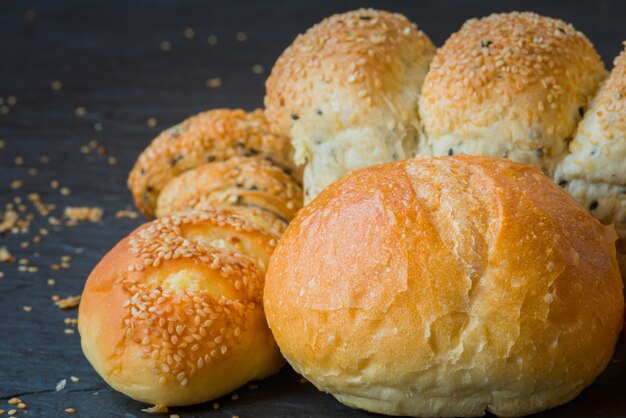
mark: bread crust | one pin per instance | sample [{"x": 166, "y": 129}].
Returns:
[
  {"x": 215, "y": 135},
  {"x": 346, "y": 93},
  {"x": 173, "y": 314},
  {"x": 511, "y": 85},
  {"x": 446, "y": 286},
  {"x": 242, "y": 182}
]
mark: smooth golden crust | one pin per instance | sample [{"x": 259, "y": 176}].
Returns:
[
  {"x": 595, "y": 170},
  {"x": 345, "y": 92},
  {"x": 238, "y": 181},
  {"x": 446, "y": 287},
  {"x": 173, "y": 314},
  {"x": 510, "y": 85},
  {"x": 215, "y": 135}
]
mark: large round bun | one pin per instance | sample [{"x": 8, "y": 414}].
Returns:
[
  {"x": 446, "y": 286},
  {"x": 216, "y": 135},
  {"x": 595, "y": 171},
  {"x": 173, "y": 315},
  {"x": 346, "y": 93},
  {"x": 509, "y": 85}
]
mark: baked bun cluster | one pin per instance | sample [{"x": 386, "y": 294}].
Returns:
[
  {"x": 510, "y": 85},
  {"x": 173, "y": 315},
  {"x": 346, "y": 93},
  {"x": 446, "y": 286},
  {"x": 213, "y": 136},
  {"x": 595, "y": 170}
]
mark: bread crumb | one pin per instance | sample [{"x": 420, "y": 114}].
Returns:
[
  {"x": 9, "y": 219},
  {"x": 159, "y": 409},
  {"x": 5, "y": 255},
  {"x": 69, "y": 302},
  {"x": 126, "y": 214},
  {"x": 82, "y": 213}
]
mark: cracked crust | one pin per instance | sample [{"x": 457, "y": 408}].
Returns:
[
  {"x": 498, "y": 292},
  {"x": 215, "y": 135}
]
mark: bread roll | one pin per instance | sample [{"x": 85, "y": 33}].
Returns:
[
  {"x": 215, "y": 135},
  {"x": 446, "y": 286},
  {"x": 173, "y": 315},
  {"x": 595, "y": 171},
  {"x": 510, "y": 85},
  {"x": 247, "y": 183},
  {"x": 346, "y": 93}
]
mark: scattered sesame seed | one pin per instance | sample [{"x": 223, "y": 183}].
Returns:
[
  {"x": 112, "y": 160},
  {"x": 12, "y": 100},
  {"x": 234, "y": 397},
  {"x": 4, "y": 109},
  {"x": 12, "y": 411},
  {"x": 152, "y": 122},
  {"x": 189, "y": 33},
  {"x": 97, "y": 127},
  {"x": 69, "y": 331},
  {"x": 56, "y": 85},
  {"x": 2, "y": 143},
  {"x": 74, "y": 379},
  {"x": 14, "y": 401},
  {"x": 241, "y": 36},
  {"x": 258, "y": 69},
  {"x": 16, "y": 184},
  {"x": 70, "y": 410},
  {"x": 65, "y": 191},
  {"x": 80, "y": 111},
  {"x": 166, "y": 46},
  {"x": 54, "y": 184},
  {"x": 214, "y": 82},
  {"x": 216, "y": 406},
  {"x": 21, "y": 405},
  {"x": 19, "y": 161},
  {"x": 27, "y": 308},
  {"x": 212, "y": 40}
]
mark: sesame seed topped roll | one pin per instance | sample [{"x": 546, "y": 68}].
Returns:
[
  {"x": 173, "y": 315},
  {"x": 248, "y": 184},
  {"x": 215, "y": 135},
  {"x": 510, "y": 85},
  {"x": 346, "y": 93},
  {"x": 595, "y": 171}
]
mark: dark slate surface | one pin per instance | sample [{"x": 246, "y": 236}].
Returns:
[{"x": 108, "y": 56}]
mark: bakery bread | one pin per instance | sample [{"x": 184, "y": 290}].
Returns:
[
  {"x": 215, "y": 135},
  {"x": 246, "y": 183},
  {"x": 173, "y": 315},
  {"x": 446, "y": 286},
  {"x": 510, "y": 85},
  {"x": 595, "y": 170},
  {"x": 346, "y": 93}
]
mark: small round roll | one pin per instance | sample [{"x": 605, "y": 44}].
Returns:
[
  {"x": 216, "y": 135},
  {"x": 511, "y": 85},
  {"x": 595, "y": 171},
  {"x": 242, "y": 182},
  {"x": 445, "y": 287},
  {"x": 173, "y": 315},
  {"x": 346, "y": 93}
]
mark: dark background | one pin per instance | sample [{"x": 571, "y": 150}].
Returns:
[{"x": 109, "y": 58}]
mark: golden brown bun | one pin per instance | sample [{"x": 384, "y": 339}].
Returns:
[
  {"x": 446, "y": 287},
  {"x": 173, "y": 315},
  {"x": 509, "y": 85},
  {"x": 246, "y": 182},
  {"x": 215, "y": 135},
  {"x": 595, "y": 171},
  {"x": 346, "y": 93}
]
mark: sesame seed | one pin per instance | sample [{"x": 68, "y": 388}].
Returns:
[
  {"x": 241, "y": 36},
  {"x": 258, "y": 69},
  {"x": 212, "y": 40},
  {"x": 70, "y": 410},
  {"x": 152, "y": 122},
  {"x": 27, "y": 308},
  {"x": 189, "y": 33},
  {"x": 14, "y": 401},
  {"x": 12, "y": 412},
  {"x": 12, "y": 100},
  {"x": 56, "y": 85},
  {"x": 166, "y": 46},
  {"x": 80, "y": 111}
]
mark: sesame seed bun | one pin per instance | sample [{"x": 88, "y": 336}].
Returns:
[
  {"x": 346, "y": 91},
  {"x": 510, "y": 85},
  {"x": 249, "y": 184},
  {"x": 173, "y": 315},
  {"x": 446, "y": 286},
  {"x": 215, "y": 135},
  {"x": 595, "y": 170}
]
